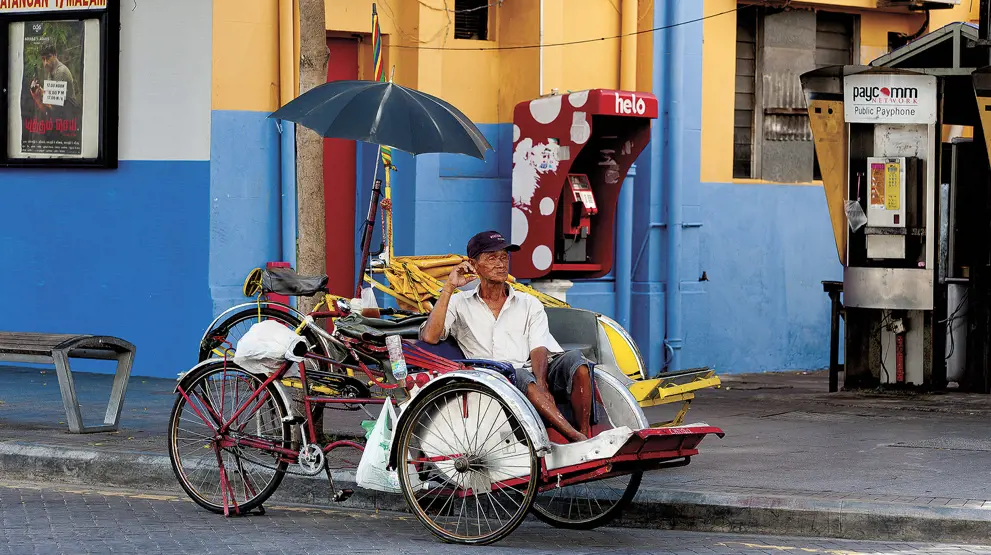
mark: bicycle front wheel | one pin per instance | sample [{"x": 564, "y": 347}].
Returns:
[{"x": 237, "y": 467}]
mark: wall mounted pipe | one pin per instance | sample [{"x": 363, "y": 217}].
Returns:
[
  {"x": 675, "y": 39},
  {"x": 624, "y": 216},
  {"x": 288, "y": 41},
  {"x": 624, "y": 250},
  {"x": 659, "y": 85}
]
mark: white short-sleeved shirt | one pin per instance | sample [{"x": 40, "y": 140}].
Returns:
[{"x": 520, "y": 328}]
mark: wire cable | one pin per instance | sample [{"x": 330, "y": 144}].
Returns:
[{"x": 574, "y": 42}]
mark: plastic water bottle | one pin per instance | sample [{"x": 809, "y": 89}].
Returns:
[{"x": 395, "y": 346}]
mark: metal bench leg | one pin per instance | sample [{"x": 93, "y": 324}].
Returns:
[
  {"x": 68, "y": 388},
  {"x": 121, "y": 378}
]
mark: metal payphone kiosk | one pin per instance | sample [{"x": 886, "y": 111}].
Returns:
[
  {"x": 903, "y": 149},
  {"x": 875, "y": 131},
  {"x": 571, "y": 154}
]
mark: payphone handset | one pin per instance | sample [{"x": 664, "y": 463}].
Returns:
[{"x": 579, "y": 205}]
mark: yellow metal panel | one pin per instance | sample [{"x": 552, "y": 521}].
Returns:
[
  {"x": 658, "y": 392},
  {"x": 626, "y": 357},
  {"x": 245, "y": 55},
  {"x": 984, "y": 108},
  {"x": 830, "y": 136}
]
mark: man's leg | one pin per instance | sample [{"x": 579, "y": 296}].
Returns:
[
  {"x": 581, "y": 399},
  {"x": 544, "y": 402},
  {"x": 569, "y": 377}
]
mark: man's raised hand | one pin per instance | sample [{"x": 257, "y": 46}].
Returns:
[{"x": 459, "y": 275}]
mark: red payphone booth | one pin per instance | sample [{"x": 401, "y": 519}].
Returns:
[{"x": 571, "y": 153}]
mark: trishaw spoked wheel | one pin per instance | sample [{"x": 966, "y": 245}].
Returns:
[
  {"x": 587, "y": 505},
  {"x": 471, "y": 472}
]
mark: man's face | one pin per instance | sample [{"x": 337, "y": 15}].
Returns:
[
  {"x": 49, "y": 62},
  {"x": 493, "y": 266}
]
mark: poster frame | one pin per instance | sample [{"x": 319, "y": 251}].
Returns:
[{"x": 108, "y": 98}]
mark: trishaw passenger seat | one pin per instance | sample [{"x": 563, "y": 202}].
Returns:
[{"x": 575, "y": 329}]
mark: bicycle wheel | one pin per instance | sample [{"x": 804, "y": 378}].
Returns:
[
  {"x": 233, "y": 328},
  {"x": 474, "y": 473},
  {"x": 587, "y": 505},
  {"x": 196, "y": 449}
]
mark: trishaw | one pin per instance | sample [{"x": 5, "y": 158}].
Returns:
[
  {"x": 471, "y": 455},
  {"x": 466, "y": 449}
]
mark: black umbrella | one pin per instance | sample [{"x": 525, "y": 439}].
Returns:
[{"x": 385, "y": 114}]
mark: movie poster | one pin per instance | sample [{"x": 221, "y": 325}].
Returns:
[{"x": 52, "y": 88}]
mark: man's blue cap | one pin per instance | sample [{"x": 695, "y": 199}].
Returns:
[{"x": 489, "y": 241}]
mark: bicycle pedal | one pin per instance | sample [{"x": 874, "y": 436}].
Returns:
[{"x": 343, "y": 495}]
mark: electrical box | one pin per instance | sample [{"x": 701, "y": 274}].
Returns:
[{"x": 891, "y": 182}]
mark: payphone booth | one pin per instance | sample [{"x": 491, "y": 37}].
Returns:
[
  {"x": 903, "y": 154},
  {"x": 571, "y": 153}
]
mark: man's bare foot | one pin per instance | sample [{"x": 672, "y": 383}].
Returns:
[{"x": 578, "y": 437}]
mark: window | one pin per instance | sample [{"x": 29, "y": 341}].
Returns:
[
  {"x": 772, "y": 139},
  {"x": 471, "y": 19},
  {"x": 60, "y": 79}
]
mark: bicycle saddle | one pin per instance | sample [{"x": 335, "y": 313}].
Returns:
[
  {"x": 376, "y": 329},
  {"x": 285, "y": 281}
]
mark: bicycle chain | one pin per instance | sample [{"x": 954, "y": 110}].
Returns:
[{"x": 248, "y": 458}]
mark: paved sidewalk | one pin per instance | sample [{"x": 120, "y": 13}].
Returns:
[{"x": 796, "y": 460}]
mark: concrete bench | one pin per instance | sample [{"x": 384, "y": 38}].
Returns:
[{"x": 47, "y": 348}]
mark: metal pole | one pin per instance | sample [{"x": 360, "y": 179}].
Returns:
[
  {"x": 834, "y": 341},
  {"x": 366, "y": 237}
]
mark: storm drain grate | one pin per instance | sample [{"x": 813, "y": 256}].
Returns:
[{"x": 953, "y": 443}]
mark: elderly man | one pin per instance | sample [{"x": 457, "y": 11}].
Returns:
[{"x": 496, "y": 322}]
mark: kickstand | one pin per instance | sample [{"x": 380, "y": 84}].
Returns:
[{"x": 339, "y": 496}]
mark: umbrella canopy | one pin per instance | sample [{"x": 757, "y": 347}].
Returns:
[{"x": 385, "y": 114}]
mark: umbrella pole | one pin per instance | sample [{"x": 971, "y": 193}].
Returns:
[{"x": 366, "y": 237}]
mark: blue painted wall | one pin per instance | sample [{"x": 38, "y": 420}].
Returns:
[
  {"x": 765, "y": 250},
  {"x": 120, "y": 252},
  {"x": 245, "y": 202}
]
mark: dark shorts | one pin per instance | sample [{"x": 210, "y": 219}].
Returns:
[{"x": 561, "y": 368}]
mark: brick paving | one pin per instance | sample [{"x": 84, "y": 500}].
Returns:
[{"x": 45, "y": 518}]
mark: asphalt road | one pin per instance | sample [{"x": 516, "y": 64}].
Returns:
[{"x": 47, "y": 518}]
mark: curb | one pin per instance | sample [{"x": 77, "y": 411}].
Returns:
[{"x": 655, "y": 508}]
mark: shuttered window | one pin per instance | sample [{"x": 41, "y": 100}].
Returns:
[
  {"x": 471, "y": 19},
  {"x": 834, "y": 45},
  {"x": 743, "y": 112}
]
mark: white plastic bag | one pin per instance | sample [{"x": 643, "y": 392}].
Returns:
[
  {"x": 266, "y": 347},
  {"x": 372, "y": 473},
  {"x": 855, "y": 215}
]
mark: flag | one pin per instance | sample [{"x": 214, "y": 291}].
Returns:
[{"x": 379, "y": 72}]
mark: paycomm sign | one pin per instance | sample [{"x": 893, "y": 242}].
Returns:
[{"x": 886, "y": 98}]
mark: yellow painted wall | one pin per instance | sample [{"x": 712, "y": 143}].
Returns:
[
  {"x": 874, "y": 28},
  {"x": 718, "y": 77},
  {"x": 487, "y": 84},
  {"x": 245, "y": 55},
  {"x": 719, "y": 66},
  {"x": 967, "y": 10}
]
